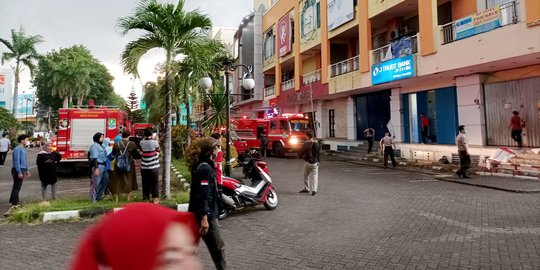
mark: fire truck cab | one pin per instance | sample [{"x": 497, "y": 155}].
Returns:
[
  {"x": 77, "y": 126},
  {"x": 285, "y": 133}
]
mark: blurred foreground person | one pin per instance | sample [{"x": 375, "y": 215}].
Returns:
[{"x": 141, "y": 236}]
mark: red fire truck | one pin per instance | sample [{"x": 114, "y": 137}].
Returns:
[
  {"x": 138, "y": 129},
  {"x": 76, "y": 126},
  {"x": 285, "y": 133}
]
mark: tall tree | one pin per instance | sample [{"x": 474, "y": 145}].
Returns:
[
  {"x": 168, "y": 27},
  {"x": 204, "y": 59},
  {"x": 53, "y": 74},
  {"x": 22, "y": 50},
  {"x": 133, "y": 101}
]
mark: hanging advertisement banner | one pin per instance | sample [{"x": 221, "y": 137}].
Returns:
[
  {"x": 339, "y": 12},
  {"x": 395, "y": 69},
  {"x": 480, "y": 22},
  {"x": 284, "y": 35},
  {"x": 6, "y": 89}
]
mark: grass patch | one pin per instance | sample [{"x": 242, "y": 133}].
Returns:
[
  {"x": 33, "y": 212},
  {"x": 182, "y": 167}
]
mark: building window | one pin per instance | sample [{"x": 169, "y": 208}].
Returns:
[
  {"x": 492, "y": 3},
  {"x": 310, "y": 18},
  {"x": 331, "y": 123},
  {"x": 269, "y": 43}
]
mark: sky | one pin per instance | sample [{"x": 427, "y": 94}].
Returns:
[{"x": 64, "y": 23}]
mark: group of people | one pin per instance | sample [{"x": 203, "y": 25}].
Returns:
[
  {"x": 46, "y": 163},
  {"x": 113, "y": 168}
]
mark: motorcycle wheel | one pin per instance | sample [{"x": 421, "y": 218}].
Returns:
[
  {"x": 223, "y": 213},
  {"x": 271, "y": 202}
]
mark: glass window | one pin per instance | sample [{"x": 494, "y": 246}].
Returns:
[
  {"x": 273, "y": 125},
  {"x": 299, "y": 124}
]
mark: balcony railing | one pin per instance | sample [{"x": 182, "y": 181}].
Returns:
[
  {"x": 269, "y": 91},
  {"x": 508, "y": 15},
  {"x": 345, "y": 66},
  {"x": 287, "y": 85},
  {"x": 311, "y": 77},
  {"x": 401, "y": 47}
]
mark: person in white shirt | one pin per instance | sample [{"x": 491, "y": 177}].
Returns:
[
  {"x": 464, "y": 157},
  {"x": 387, "y": 146},
  {"x": 4, "y": 148}
]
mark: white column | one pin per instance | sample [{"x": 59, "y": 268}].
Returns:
[
  {"x": 258, "y": 75},
  {"x": 321, "y": 127},
  {"x": 470, "y": 104},
  {"x": 351, "y": 119},
  {"x": 396, "y": 121}
]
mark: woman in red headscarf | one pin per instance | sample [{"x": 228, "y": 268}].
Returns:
[{"x": 141, "y": 236}]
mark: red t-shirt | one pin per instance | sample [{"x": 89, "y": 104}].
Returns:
[
  {"x": 219, "y": 171},
  {"x": 425, "y": 121},
  {"x": 515, "y": 122}
]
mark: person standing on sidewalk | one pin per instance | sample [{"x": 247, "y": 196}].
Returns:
[
  {"x": 98, "y": 168},
  {"x": 150, "y": 166},
  {"x": 19, "y": 171},
  {"x": 4, "y": 148},
  {"x": 369, "y": 134},
  {"x": 464, "y": 157},
  {"x": 425, "y": 127},
  {"x": 387, "y": 146},
  {"x": 517, "y": 128},
  {"x": 310, "y": 153},
  {"x": 203, "y": 199},
  {"x": 46, "y": 162}
]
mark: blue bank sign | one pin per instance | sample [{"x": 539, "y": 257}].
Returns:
[{"x": 392, "y": 70}]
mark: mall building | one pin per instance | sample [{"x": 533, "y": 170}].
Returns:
[{"x": 353, "y": 64}]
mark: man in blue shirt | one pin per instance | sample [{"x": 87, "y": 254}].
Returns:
[
  {"x": 19, "y": 170},
  {"x": 99, "y": 177}
]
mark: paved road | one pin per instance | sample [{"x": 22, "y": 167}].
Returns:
[
  {"x": 69, "y": 185},
  {"x": 363, "y": 218}
]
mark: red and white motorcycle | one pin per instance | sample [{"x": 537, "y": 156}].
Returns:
[{"x": 236, "y": 195}]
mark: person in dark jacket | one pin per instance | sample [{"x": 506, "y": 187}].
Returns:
[
  {"x": 46, "y": 162},
  {"x": 203, "y": 199},
  {"x": 310, "y": 154}
]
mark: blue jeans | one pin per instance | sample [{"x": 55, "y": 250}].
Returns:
[{"x": 99, "y": 183}]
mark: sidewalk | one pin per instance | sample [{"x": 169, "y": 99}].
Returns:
[
  {"x": 511, "y": 184},
  {"x": 505, "y": 183}
]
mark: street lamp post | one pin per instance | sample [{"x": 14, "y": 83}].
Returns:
[{"x": 248, "y": 83}]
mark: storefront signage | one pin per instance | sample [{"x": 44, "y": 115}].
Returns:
[
  {"x": 2, "y": 79},
  {"x": 284, "y": 35},
  {"x": 480, "y": 22},
  {"x": 395, "y": 69}
]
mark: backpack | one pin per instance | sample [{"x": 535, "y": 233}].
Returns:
[{"x": 122, "y": 160}]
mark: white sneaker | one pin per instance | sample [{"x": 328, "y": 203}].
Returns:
[{"x": 2, "y": 166}]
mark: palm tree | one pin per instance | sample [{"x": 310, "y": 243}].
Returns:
[
  {"x": 215, "y": 116},
  {"x": 204, "y": 59},
  {"x": 22, "y": 49},
  {"x": 169, "y": 27}
]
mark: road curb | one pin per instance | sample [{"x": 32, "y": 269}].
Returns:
[
  {"x": 76, "y": 214},
  {"x": 90, "y": 213},
  {"x": 488, "y": 186},
  {"x": 447, "y": 179}
]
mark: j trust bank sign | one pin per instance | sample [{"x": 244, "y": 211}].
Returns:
[{"x": 395, "y": 69}]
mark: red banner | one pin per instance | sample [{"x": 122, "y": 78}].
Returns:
[{"x": 284, "y": 35}]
